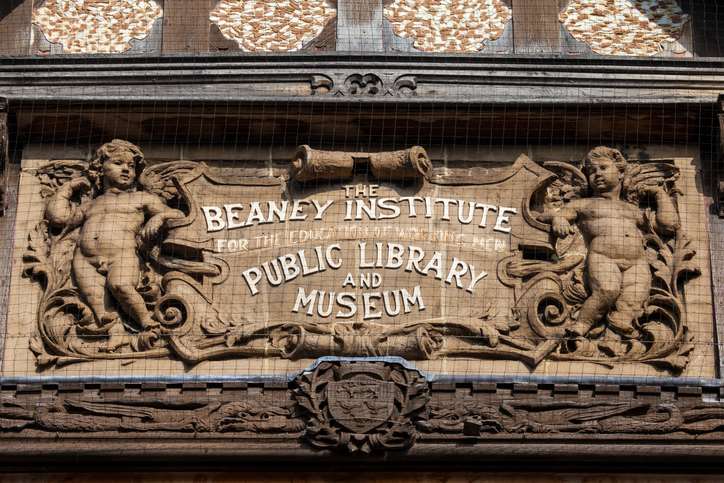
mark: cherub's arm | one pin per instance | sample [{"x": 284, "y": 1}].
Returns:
[
  {"x": 667, "y": 219},
  {"x": 561, "y": 220},
  {"x": 159, "y": 214},
  {"x": 60, "y": 210}
]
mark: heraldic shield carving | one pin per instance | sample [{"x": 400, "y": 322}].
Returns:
[
  {"x": 361, "y": 406},
  {"x": 361, "y": 254}
]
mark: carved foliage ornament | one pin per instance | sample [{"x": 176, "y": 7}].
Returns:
[
  {"x": 476, "y": 418},
  {"x": 597, "y": 274},
  {"x": 362, "y": 408},
  {"x": 364, "y": 85}
]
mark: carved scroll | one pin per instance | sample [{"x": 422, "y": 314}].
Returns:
[{"x": 409, "y": 164}]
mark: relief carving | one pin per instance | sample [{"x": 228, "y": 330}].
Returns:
[
  {"x": 613, "y": 291},
  {"x": 97, "y": 255},
  {"x": 128, "y": 415},
  {"x": 368, "y": 85},
  {"x": 475, "y": 418},
  {"x": 361, "y": 406},
  {"x": 163, "y": 261}
]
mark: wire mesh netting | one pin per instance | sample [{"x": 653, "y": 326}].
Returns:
[{"x": 487, "y": 189}]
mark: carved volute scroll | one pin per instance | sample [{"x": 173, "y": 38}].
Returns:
[{"x": 197, "y": 293}]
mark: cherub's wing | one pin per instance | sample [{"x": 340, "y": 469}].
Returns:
[
  {"x": 55, "y": 174},
  {"x": 158, "y": 179},
  {"x": 570, "y": 184},
  {"x": 648, "y": 174}
]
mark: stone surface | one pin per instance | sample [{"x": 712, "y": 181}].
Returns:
[
  {"x": 272, "y": 25},
  {"x": 448, "y": 25},
  {"x": 626, "y": 27},
  {"x": 95, "y": 27}
]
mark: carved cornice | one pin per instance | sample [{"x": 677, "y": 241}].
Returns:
[
  {"x": 362, "y": 408},
  {"x": 442, "y": 78}
]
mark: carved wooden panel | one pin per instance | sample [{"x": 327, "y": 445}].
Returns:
[
  {"x": 371, "y": 411},
  {"x": 361, "y": 254}
]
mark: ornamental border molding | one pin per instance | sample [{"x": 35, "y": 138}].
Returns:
[{"x": 304, "y": 414}]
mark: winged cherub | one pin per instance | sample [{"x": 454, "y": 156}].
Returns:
[
  {"x": 115, "y": 222},
  {"x": 612, "y": 225}
]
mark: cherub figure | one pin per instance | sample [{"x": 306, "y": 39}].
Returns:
[
  {"x": 116, "y": 220},
  {"x": 613, "y": 225}
]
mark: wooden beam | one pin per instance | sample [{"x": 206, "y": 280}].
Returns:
[
  {"x": 15, "y": 27},
  {"x": 536, "y": 28},
  {"x": 360, "y": 26},
  {"x": 186, "y": 26},
  {"x": 9, "y": 183}
]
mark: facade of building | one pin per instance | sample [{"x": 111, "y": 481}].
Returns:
[{"x": 420, "y": 232}]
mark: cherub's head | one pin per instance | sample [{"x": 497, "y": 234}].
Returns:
[
  {"x": 116, "y": 164},
  {"x": 605, "y": 168}
]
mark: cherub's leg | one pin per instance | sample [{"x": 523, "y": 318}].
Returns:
[
  {"x": 604, "y": 278},
  {"x": 635, "y": 289},
  {"x": 92, "y": 287},
  {"x": 122, "y": 279}
]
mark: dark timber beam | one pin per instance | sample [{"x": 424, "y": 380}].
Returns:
[
  {"x": 536, "y": 28},
  {"x": 9, "y": 181},
  {"x": 716, "y": 245},
  {"x": 331, "y": 77},
  {"x": 359, "y": 26},
  {"x": 15, "y": 25},
  {"x": 186, "y": 26}
]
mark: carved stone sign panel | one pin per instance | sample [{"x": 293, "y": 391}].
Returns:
[{"x": 360, "y": 254}]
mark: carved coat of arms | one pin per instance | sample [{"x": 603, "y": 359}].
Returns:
[{"x": 361, "y": 406}]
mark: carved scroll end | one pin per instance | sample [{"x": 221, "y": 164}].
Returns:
[
  {"x": 405, "y": 165},
  {"x": 312, "y": 164}
]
